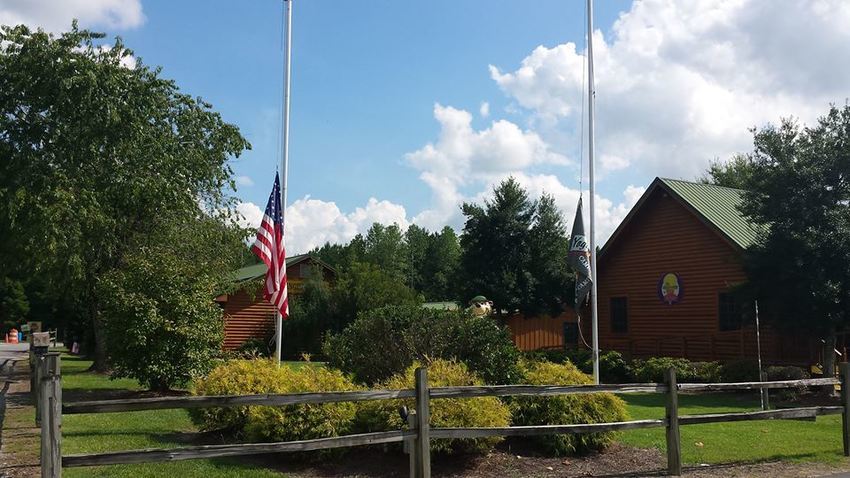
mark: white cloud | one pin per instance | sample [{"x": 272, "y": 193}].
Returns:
[
  {"x": 463, "y": 156},
  {"x": 244, "y": 181},
  {"x": 680, "y": 83},
  {"x": 311, "y": 222},
  {"x": 56, "y": 15},
  {"x": 484, "y": 109}
]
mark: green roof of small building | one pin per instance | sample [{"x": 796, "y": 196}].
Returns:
[
  {"x": 719, "y": 206},
  {"x": 258, "y": 270}
]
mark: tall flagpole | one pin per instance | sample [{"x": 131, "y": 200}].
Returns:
[
  {"x": 287, "y": 73},
  {"x": 590, "y": 144}
]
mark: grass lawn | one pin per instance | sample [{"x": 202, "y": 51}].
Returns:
[
  {"x": 92, "y": 433},
  {"x": 715, "y": 443},
  {"x": 818, "y": 441}
]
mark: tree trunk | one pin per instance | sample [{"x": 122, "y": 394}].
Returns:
[{"x": 829, "y": 362}]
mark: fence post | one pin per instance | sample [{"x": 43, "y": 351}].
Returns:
[
  {"x": 36, "y": 368},
  {"x": 50, "y": 397},
  {"x": 845, "y": 402},
  {"x": 423, "y": 417},
  {"x": 674, "y": 446},
  {"x": 410, "y": 444}
]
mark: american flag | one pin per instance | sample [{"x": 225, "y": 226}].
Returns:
[{"x": 270, "y": 249}]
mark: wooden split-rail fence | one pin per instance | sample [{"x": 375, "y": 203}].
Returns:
[{"x": 417, "y": 437}]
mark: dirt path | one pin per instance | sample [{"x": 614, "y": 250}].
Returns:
[{"x": 19, "y": 439}]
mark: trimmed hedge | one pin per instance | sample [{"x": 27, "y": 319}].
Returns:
[
  {"x": 566, "y": 409},
  {"x": 653, "y": 369},
  {"x": 262, "y": 423},
  {"x": 382, "y": 415}
]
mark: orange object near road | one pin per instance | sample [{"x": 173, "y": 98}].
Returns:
[{"x": 12, "y": 337}]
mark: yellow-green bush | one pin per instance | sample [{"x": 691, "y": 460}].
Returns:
[
  {"x": 445, "y": 412},
  {"x": 263, "y": 423},
  {"x": 566, "y": 409}
]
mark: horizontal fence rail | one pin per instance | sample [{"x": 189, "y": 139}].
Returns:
[
  {"x": 542, "y": 390},
  {"x": 419, "y": 433},
  {"x": 207, "y": 401},
  {"x": 217, "y": 451},
  {"x": 720, "y": 387}
]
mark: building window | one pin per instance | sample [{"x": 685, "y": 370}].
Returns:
[
  {"x": 728, "y": 312},
  {"x": 619, "y": 315}
]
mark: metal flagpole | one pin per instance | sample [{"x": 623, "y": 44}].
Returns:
[
  {"x": 287, "y": 63},
  {"x": 763, "y": 391},
  {"x": 590, "y": 145}
]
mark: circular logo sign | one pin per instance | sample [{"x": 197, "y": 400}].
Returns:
[{"x": 670, "y": 288}]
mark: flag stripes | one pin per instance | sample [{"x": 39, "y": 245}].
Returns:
[{"x": 269, "y": 247}]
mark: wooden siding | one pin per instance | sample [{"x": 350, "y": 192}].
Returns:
[
  {"x": 665, "y": 237},
  {"x": 247, "y": 315},
  {"x": 532, "y": 333}
]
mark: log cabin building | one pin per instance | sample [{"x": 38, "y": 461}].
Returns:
[
  {"x": 666, "y": 277},
  {"x": 247, "y": 315}
]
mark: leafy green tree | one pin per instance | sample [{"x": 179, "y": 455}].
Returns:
[
  {"x": 364, "y": 287},
  {"x": 157, "y": 310},
  {"x": 93, "y": 155},
  {"x": 418, "y": 242},
  {"x": 311, "y": 317},
  {"x": 386, "y": 249},
  {"x": 495, "y": 245},
  {"x": 335, "y": 255},
  {"x": 440, "y": 269},
  {"x": 549, "y": 246},
  {"x": 800, "y": 197},
  {"x": 14, "y": 305},
  {"x": 736, "y": 173}
]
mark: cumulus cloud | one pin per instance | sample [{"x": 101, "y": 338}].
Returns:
[
  {"x": 484, "y": 109},
  {"x": 312, "y": 222},
  {"x": 244, "y": 181},
  {"x": 56, "y": 15},
  {"x": 463, "y": 156},
  {"x": 680, "y": 83}
]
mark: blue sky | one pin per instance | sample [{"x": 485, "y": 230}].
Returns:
[
  {"x": 389, "y": 121},
  {"x": 366, "y": 76}
]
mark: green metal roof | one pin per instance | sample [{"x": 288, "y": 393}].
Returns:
[
  {"x": 259, "y": 270},
  {"x": 718, "y": 206}
]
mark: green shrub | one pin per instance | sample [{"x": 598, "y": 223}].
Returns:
[
  {"x": 788, "y": 372},
  {"x": 745, "y": 370},
  {"x": 386, "y": 341},
  {"x": 566, "y": 409},
  {"x": 485, "y": 346},
  {"x": 612, "y": 367},
  {"x": 653, "y": 370},
  {"x": 291, "y": 422},
  {"x": 445, "y": 412}
]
